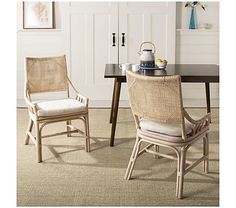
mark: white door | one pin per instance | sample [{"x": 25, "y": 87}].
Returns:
[
  {"x": 92, "y": 27},
  {"x": 146, "y": 21}
]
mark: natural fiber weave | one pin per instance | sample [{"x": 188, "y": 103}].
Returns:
[
  {"x": 46, "y": 74},
  {"x": 49, "y": 74},
  {"x": 76, "y": 178},
  {"x": 160, "y": 99},
  {"x": 155, "y": 98}
]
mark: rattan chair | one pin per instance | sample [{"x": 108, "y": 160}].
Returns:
[
  {"x": 161, "y": 120},
  {"x": 49, "y": 75}
]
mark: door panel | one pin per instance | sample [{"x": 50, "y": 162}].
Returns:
[
  {"x": 78, "y": 50},
  {"x": 102, "y": 49},
  {"x": 146, "y": 21},
  {"x": 91, "y": 47},
  {"x": 134, "y": 22},
  {"x": 149, "y": 5},
  {"x": 159, "y": 31},
  {"x": 91, "y": 28},
  {"x": 151, "y": 21}
]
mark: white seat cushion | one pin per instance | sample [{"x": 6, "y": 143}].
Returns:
[
  {"x": 59, "y": 107},
  {"x": 165, "y": 128}
]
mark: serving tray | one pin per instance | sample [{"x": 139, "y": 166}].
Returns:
[{"x": 151, "y": 68}]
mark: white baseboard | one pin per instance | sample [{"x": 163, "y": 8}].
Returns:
[
  {"x": 20, "y": 103},
  {"x": 188, "y": 102}
]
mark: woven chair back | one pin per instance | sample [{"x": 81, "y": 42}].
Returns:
[
  {"x": 47, "y": 74},
  {"x": 155, "y": 98}
]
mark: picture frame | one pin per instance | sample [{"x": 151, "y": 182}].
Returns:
[{"x": 38, "y": 15}]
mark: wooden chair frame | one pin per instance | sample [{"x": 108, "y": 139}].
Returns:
[
  {"x": 199, "y": 131},
  {"x": 41, "y": 121}
]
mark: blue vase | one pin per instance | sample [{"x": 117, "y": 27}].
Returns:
[{"x": 192, "y": 23}]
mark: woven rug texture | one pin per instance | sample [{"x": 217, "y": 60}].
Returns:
[{"x": 69, "y": 176}]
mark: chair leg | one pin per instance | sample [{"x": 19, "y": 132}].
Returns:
[
  {"x": 133, "y": 158},
  {"x": 206, "y": 153},
  {"x": 156, "y": 149},
  {"x": 177, "y": 178},
  {"x": 68, "y": 128},
  {"x": 87, "y": 134},
  {"x": 29, "y": 129},
  {"x": 181, "y": 172},
  {"x": 38, "y": 143}
]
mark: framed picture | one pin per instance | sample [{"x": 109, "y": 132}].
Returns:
[{"x": 38, "y": 15}]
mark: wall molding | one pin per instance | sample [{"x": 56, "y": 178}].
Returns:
[{"x": 38, "y": 31}]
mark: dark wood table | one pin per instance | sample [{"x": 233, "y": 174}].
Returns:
[{"x": 198, "y": 73}]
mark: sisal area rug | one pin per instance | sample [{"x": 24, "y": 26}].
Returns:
[{"x": 68, "y": 176}]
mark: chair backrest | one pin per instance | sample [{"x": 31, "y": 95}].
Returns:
[
  {"x": 46, "y": 74},
  {"x": 156, "y": 98}
]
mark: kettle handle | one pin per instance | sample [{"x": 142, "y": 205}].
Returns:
[{"x": 154, "y": 48}]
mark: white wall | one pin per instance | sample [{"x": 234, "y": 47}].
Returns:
[
  {"x": 198, "y": 46},
  {"x": 53, "y": 42},
  {"x": 36, "y": 42},
  {"x": 210, "y": 15}
]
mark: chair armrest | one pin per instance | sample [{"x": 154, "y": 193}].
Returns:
[
  {"x": 198, "y": 124},
  {"x": 82, "y": 99},
  {"x": 30, "y": 105},
  {"x": 79, "y": 97}
]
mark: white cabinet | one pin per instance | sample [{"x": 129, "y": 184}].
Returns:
[
  {"x": 90, "y": 43},
  {"x": 92, "y": 27},
  {"x": 147, "y": 21}
]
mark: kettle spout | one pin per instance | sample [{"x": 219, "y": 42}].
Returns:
[{"x": 139, "y": 52}]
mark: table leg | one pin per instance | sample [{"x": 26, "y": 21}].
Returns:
[
  {"x": 113, "y": 98},
  {"x": 208, "y": 100},
  {"x": 115, "y": 111}
]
